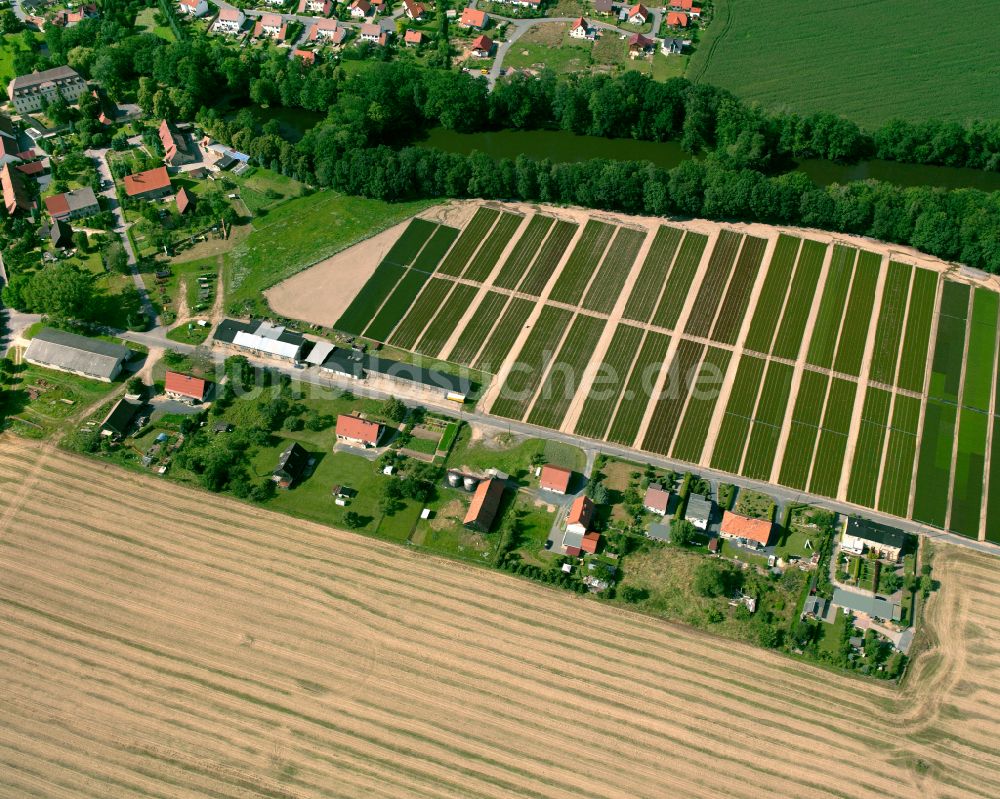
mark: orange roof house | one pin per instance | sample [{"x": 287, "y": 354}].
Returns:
[
  {"x": 482, "y": 46},
  {"x": 473, "y": 18},
  {"x": 590, "y": 542},
  {"x": 15, "y": 194},
  {"x": 753, "y": 532},
  {"x": 677, "y": 19},
  {"x": 149, "y": 184},
  {"x": 485, "y": 504},
  {"x": 183, "y": 386},
  {"x": 555, "y": 479},
  {"x": 357, "y": 431},
  {"x": 183, "y": 201},
  {"x": 413, "y": 37},
  {"x": 581, "y": 513}
]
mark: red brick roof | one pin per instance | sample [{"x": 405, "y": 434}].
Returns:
[
  {"x": 639, "y": 8},
  {"x": 358, "y": 429},
  {"x": 33, "y": 168},
  {"x": 485, "y": 504},
  {"x": 483, "y": 42},
  {"x": 183, "y": 201},
  {"x": 555, "y": 478},
  {"x": 57, "y": 205},
  {"x": 473, "y": 17},
  {"x": 413, "y": 37},
  {"x": 590, "y": 542},
  {"x": 579, "y": 22},
  {"x": 581, "y": 512},
  {"x": 185, "y": 385},
  {"x": 15, "y": 195},
  {"x": 737, "y": 526},
  {"x": 677, "y": 19},
  {"x": 150, "y": 180}
]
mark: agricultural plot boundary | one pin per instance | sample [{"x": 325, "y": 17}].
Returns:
[{"x": 840, "y": 372}]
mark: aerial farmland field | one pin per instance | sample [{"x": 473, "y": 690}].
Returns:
[
  {"x": 833, "y": 366},
  {"x": 248, "y": 654},
  {"x": 791, "y": 54}
]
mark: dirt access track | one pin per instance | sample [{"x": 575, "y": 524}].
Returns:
[{"x": 159, "y": 641}]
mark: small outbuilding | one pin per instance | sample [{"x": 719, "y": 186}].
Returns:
[
  {"x": 555, "y": 479},
  {"x": 291, "y": 465},
  {"x": 484, "y": 506}
]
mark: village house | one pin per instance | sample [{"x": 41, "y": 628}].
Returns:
[
  {"x": 414, "y": 10},
  {"x": 184, "y": 201},
  {"x": 27, "y": 92},
  {"x": 473, "y": 18},
  {"x": 638, "y": 14},
  {"x": 699, "y": 511},
  {"x": 260, "y": 338},
  {"x": 328, "y": 30},
  {"x": 16, "y": 197},
  {"x": 604, "y": 7},
  {"x": 148, "y": 185},
  {"x": 482, "y": 46},
  {"x": 119, "y": 419},
  {"x": 639, "y": 45},
  {"x": 61, "y": 235},
  {"x": 413, "y": 38},
  {"x": 323, "y": 7},
  {"x": 657, "y": 499},
  {"x": 230, "y": 21},
  {"x": 369, "y": 32},
  {"x": 677, "y": 19},
  {"x": 360, "y": 9},
  {"x": 861, "y": 535},
  {"x": 193, "y": 8},
  {"x": 270, "y": 26},
  {"x": 67, "y": 19},
  {"x": 581, "y": 513},
  {"x": 176, "y": 150},
  {"x": 306, "y": 56},
  {"x": 357, "y": 432},
  {"x": 686, "y": 5},
  {"x": 581, "y": 29},
  {"x": 754, "y": 533},
  {"x": 555, "y": 479},
  {"x": 291, "y": 466},
  {"x": 484, "y": 505},
  {"x": 75, "y": 204},
  {"x": 184, "y": 388},
  {"x": 78, "y": 355},
  {"x": 671, "y": 46}
]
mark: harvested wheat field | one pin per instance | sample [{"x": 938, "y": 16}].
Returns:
[{"x": 155, "y": 641}]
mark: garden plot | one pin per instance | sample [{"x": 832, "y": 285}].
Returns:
[
  {"x": 694, "y": 429},
  {"x": 734, "y": 306},
  {"x": 854, "y": 333},
  {"x": 862, "y": 485},
  {"x": 832, "y": 444},
  {"x": 801, "y": 295},
  {"x": 469, "y": 240},
  {"x": 504, "y": 334},
  {"x": 768, "y": 418},
  {"x": 831, "y": 307},
  {"x": 478, "y": 329},
  {"x": 804, "y": 430},
  {"x": 489, "y": 254},
  {"x": 639, "y": 389},
  {"x": 728, "y": 453},
  {"x": 674, "y": 394},
  {"x": 563, "y": 381},
  {"x": 916, "y": 340},
  {"x": 900, "y": 454},
  {"x": 608, "y": 283},
  {"x": 544, "y": 266}
]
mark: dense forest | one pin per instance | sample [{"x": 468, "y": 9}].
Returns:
[{"x": 374, "y": 116}]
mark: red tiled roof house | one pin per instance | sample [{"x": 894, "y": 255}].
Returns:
[
  {"x": 184, "y": 387},
  {"x": 357, "y": 432},
  {"x": 148, "y": 185},
  {"x": 555, "y": 479},
  {"x": 484, "y": 506},
  {"x": 754, "y": 533}
]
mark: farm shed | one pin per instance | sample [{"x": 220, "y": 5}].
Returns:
[
  {"x": 868, "y": 605},
  {"x": 291, "y": 465},
  {"x": 261, "y": 338},
  {"x": 484, "y": 506},
  {"x": 119, "y": 419},
  {"x": 454, "y": 387},
  {"x": 79, "y": 355}
]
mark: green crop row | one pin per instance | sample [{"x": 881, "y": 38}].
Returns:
[
  {"x": 607, "y": 284},
  {"x": 364, "y": 306},
  {"x": 432, "y": 253},
  {"x": 639, "y": 389},
  {"x": 670, "y": 404},
  {"x": 484, "y": 319},
  {"x": 862, "y": 485},
  {"x": 548, "y": 258},
  {"x": 448, "y": 316},
  {"x": 766, "y": 430},
  {"x": 889, "y": 329},
  {"x": 582, "y": 262},
  {"x": 970, "y": 468},
  {"x": 854, "y": 332},
  {"x": 720, "y": 264},
  {"x": 801, "y": 294},
  {"x": 567, "y": 371},
  {"x": 524, "y": 252},
  {"x": 505, "y": 333},
  {"x": 653, "y": 274},
  {"x": 396, "y": 305},
  {"x": 489, "y": 254},
  {"x": 833, "y": 438},
  {"x": 409, "y": 243},
  {"x": 609, "y": 382},
  {"x": 831, "y": 307},
  {"x": 728, "y": 453},
  {"x": 804, "y": 431},
  {"x": 930, "y": 499},
  {"x": 977, "y": 387},
  {"x": 734, "y": 306},
  {"x": 693, "y": 432},
  {"x": 678, "y": 285},
  {"x": 920, "y": 316},
  {"x": 897, "y": 471},
  {"x": 772, "y": 295},
  {"x": 421, "y": 312},
  {"x": 522, "y": 382},
  {"x": 469, "y": 240},
  {"x": 949, "y": 346}
]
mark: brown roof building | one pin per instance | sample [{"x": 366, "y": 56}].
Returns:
[
  {"x": 555, "y": 479},
  {"x": 149, "y": 184},
  {"x": 357, "y": 431},
  {"x": 184, "y": 201},
  {"x": 752, "y": 532},
  {"x": 175, "y": 147},
  {"x": 485, "y": 504}
]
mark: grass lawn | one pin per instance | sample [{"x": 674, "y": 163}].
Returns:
[
  {"x": 10, "y": 44},
  {"x": 754, "y": 504},
  {"x": 166, "y": 292},
  {"x": 261, "y": 189},
  {"x": 791, "y": 54},
  {"x": 59, "y": 398},
  {"x": 512, "y": 455},
  {"x": 145, "y": 21},
  {"x": 833, "y": 634},
  {"x": 729, "y": 550},
  {"x": 311, "y": 499},
  {"x": 549, "y": 45},
  {"x": 189, "y": 333},
  {"x": 794, "y": 544},
  {"x": 300, "y": 232}
]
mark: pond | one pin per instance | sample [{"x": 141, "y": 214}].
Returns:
[
  {"x": 563, "y": 147},
  {"x": 294, "y": 122}
]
